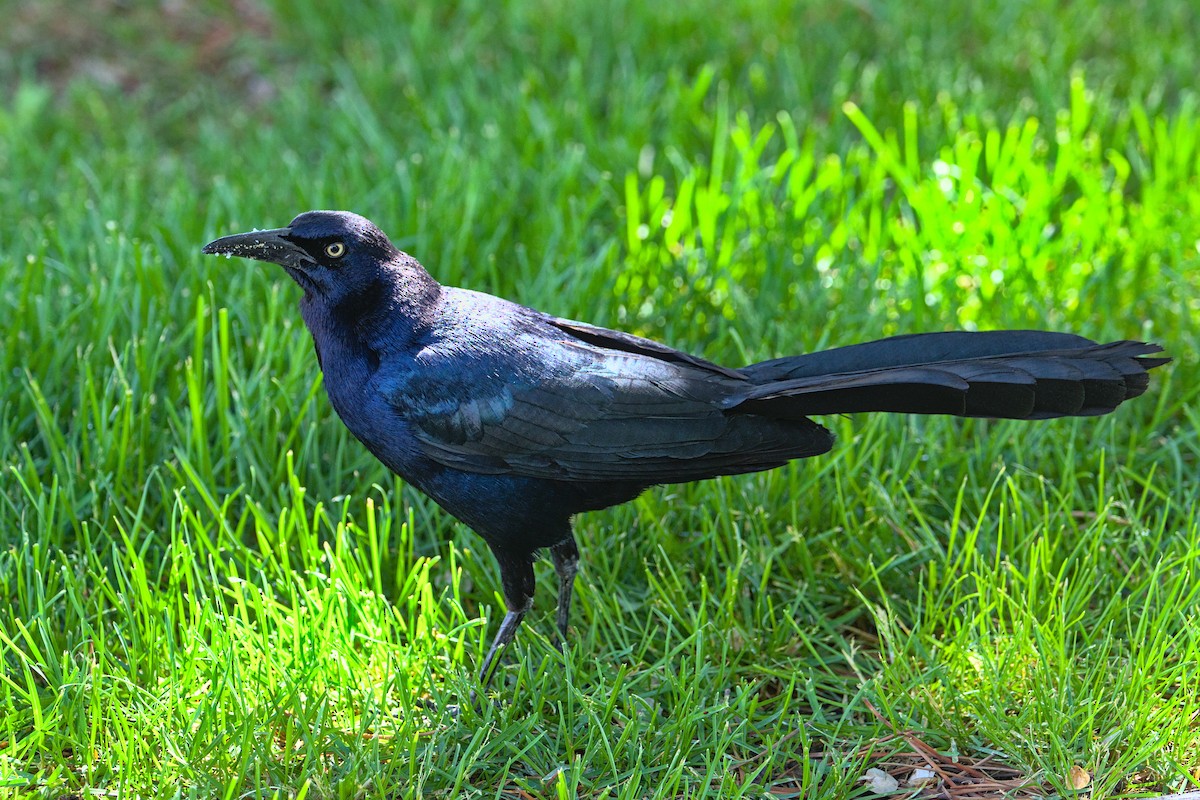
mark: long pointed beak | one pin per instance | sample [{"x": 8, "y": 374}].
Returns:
[{"x": 270, "y": 245}]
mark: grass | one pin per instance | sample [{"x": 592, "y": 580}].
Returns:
[{"x": 216, "y": 592}]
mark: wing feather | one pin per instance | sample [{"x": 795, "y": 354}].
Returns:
[{"x": 571, "y": 408}]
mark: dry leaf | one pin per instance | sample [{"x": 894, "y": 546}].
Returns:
[
  {"x": 1080, "y": 777},
  {"x": 921, "y": 776},
  {"x": 880, "y": 782}
]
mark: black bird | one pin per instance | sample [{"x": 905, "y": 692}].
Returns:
[{"x": 514, "y": 420}]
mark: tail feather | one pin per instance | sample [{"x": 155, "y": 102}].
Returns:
[
  {"x": 912, "y": 349},
  {"x": 1000, "y": 374}
]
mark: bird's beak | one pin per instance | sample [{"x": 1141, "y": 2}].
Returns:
[{"x": 270, "y": 245}]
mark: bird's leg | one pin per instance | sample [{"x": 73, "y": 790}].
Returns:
[
  {"x": 566, "y": 564},
  {"x": 516, "y": 576},
  {"x": 508, "y": 630}
]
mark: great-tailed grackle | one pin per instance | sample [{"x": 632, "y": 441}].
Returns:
[{"x": 514, "y": 420}]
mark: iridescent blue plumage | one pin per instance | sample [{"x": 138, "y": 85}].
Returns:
[{"x": 514, "y": 420}]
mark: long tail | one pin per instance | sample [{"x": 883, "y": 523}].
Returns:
[{"x": 1002, "y": 374}]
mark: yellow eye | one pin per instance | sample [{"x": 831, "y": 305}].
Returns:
[{"x": 335, "y": 250}]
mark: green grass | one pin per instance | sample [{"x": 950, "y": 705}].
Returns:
[{"x": 215, "y": 592}]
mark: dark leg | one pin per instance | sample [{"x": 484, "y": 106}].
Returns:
[
  {"x": 566, "y": 564},
  {"x": 516, "y": 576}
]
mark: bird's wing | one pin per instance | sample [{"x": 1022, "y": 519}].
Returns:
[
  {"x": 627, "y": 342},
  {"x": 571, "y": 408}
]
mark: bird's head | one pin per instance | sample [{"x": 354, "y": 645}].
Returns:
[{"x": 333, "y": 255}]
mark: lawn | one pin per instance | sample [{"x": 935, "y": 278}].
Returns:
[{"x": 209, "y": 589}]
